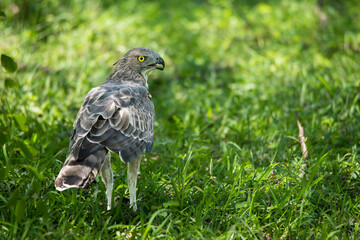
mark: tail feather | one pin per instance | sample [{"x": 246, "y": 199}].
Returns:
[{"x": 79, "y": 173}]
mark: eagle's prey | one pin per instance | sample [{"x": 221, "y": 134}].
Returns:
[{"x": 116, "y": 116}]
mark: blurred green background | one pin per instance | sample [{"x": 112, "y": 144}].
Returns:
[{"x": 226, "y": 160}]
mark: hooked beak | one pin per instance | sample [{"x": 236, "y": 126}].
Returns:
[{"x": 159, "y": 61}]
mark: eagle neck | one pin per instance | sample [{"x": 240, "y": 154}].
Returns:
[{"x": 126, "y": 75}]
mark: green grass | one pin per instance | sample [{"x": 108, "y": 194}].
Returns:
[{"x": 226, "y": 162}]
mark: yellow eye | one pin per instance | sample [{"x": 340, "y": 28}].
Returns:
[{"x": 141, "y": 58}]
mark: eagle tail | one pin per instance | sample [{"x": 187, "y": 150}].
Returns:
[{"x": 79, "y": 173}]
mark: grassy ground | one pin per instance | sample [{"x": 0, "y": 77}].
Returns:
[{"x": 227, "y": 161}]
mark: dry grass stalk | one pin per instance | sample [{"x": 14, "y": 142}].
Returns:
[{"x": 304, "y": 150}]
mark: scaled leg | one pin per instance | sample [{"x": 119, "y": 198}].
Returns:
[
  {"x": 107, "y": 177},
  {"x": 132, "y": 178}
]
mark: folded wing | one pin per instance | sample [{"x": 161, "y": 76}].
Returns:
[{"x": 118, "y": 117}]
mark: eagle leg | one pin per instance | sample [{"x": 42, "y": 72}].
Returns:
[
  {"x": 107, "y": 177},
  {"x": 132, "y": 178}
]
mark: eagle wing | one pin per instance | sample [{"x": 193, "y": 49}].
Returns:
[{"x": 119, "y": 117}]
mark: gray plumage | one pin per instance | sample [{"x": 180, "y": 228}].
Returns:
[{"x": 118, "y": 116}]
